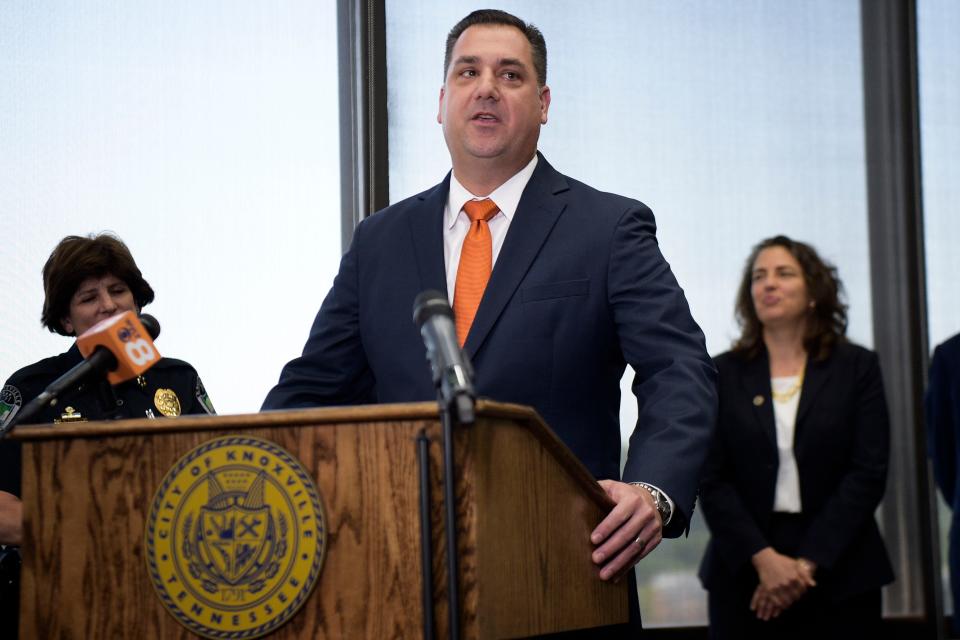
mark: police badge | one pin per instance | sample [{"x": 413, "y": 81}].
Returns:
[{"x": 167, "y": 402}]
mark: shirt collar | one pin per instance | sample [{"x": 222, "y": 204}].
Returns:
[{"x": 507, "y": 196}]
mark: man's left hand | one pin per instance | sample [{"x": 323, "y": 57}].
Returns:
[{"x": 629, "y": 532}]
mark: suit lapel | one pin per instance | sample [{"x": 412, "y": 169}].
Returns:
[
  {"x": 756, "y": 384},
  {"x": 536, "y": 214},
  {"x": 426, "y": 229},
  {"x": 814, "y": 380}
]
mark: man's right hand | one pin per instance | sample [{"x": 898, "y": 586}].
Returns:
[{"x": 631, "y": 530}]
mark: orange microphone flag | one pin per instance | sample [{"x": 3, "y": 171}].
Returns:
[{"x": 127, "y": 339}]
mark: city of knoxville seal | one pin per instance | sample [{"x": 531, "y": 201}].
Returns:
[{"x": 235, "y": 538}]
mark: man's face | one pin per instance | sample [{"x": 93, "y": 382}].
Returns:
[{"x": 490, "y": 105}]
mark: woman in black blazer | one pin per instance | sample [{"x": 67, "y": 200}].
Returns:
[{"x": 799, "y": 462}]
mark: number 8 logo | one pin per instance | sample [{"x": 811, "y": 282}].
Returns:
[{"x": 140, "y": 352}]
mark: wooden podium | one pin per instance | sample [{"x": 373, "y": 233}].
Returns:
[{"x": 525, "y": 510}]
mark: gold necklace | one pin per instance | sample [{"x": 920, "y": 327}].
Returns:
[{"x": 792, "y": 390}]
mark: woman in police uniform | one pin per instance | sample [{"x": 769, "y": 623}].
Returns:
[{"x": 85, "y": 280}]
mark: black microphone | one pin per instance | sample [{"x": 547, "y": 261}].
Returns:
[
  {"x": 99, "y": 362},
  {"x": 151, "y": 324},
  {"x": 452, "y": 373}
]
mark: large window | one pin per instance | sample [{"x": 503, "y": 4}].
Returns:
[
  {"x": 206, "y": 136},
  {"x": 938, "y": 22},
  {"x": 733, "y": 120}
]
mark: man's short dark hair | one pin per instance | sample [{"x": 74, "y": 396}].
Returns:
[
  {"x": 495, "y": 17},
  {"x": 76, "y": 258}
]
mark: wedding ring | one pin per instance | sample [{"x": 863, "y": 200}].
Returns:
[{"x": 640, "y": 543}]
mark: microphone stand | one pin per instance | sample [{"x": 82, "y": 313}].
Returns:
[
  {"x": 450, "y": 525},
  {"x": 450, "y": 497},
  {"x": 452, "y": 375},
  {"x": 458, "y": 408}
]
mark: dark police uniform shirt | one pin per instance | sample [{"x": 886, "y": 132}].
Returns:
[
  {"x": 170, "y": 387},
  {"x": 155, "y": 394}
]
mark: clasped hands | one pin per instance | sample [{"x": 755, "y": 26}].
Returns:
[
  {"x": 631, "y": 530},
  {"x": 783, "y": 581}
]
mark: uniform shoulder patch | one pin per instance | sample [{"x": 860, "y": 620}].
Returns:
[
  {"x": 10, "y": 402},
  {"x": 204, "y": 399}
]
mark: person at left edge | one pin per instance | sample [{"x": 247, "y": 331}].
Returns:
[
  {"x": 86, "y": 280},
  {"x": 578, "y": 289},
  {"x": 942, "y": 404}
]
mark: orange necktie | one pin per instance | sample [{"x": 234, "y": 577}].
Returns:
[{"x": 476, "y": 263}]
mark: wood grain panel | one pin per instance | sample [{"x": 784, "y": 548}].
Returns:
[
  {"x": 84, "y": 548},
  {"x": 533, "y": 540}
]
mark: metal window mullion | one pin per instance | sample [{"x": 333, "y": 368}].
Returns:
[
  {"x": 891, "y": 117},
  {"x": 364, "y": 179}
]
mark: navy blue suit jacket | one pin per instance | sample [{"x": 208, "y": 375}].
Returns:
[
  {"x": 841, "y": 445},
  {"x": 943, "y": 445},
  {"x": 579, "y": 289}
]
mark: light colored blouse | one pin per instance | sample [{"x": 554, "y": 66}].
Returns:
[{"x": 787, "y": 495}]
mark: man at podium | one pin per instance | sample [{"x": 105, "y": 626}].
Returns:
[{"x": 555, "y": 287}]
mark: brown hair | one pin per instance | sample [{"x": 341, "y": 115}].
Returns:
[
  {"x": 496, "y": 17},
  {"x": 827, "y": 319},
  {"x": 76, "y": 258}
]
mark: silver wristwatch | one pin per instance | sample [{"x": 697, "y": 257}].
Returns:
[{"x": 659, "y": 500}]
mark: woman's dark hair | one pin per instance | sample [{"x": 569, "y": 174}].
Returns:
[
  {"x": 76, "y": 258},
  {"x": 827, "y": 319}
]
